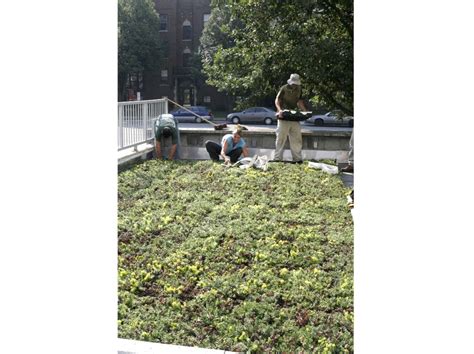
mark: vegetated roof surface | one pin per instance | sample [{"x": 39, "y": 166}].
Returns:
[{"x": 233, "y": 259}]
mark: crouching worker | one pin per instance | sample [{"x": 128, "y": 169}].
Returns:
[
  {"x": 166, "y": 126},
  {"x": 230, "y": 149}
]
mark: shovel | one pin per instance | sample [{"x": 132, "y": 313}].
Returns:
[{"x": 216, "y": 126}]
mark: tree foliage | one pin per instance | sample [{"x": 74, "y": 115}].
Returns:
[
  {"x": 249, "y": 48},
  {"x": 139, "y": 47}
]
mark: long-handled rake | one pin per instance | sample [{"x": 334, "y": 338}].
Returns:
[{"x": 216, "y": 126}]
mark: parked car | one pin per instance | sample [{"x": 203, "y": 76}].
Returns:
[
  {"x": 183, "y": 115},
  {"x": 330, "y": 119},
  {"x": 253, "y": 115}
]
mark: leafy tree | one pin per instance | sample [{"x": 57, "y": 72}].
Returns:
[
  {"x": 250, "y": 48},
  {"x": 139, "y": 48}
]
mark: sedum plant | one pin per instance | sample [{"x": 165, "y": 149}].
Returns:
[{"x": 232, "y": 259}]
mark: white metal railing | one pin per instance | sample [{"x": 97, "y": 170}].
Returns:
[{"x": 136, "y": 119}]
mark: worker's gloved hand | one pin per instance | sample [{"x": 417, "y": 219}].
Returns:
[{"x": 227, "y": 160}]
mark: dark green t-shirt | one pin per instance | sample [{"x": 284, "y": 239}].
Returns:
[
  {"x": 165, "y": 121},
  {"x": 289, "y": 96}
]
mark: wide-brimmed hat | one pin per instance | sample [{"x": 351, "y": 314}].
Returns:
[{"x": 294, "y": 79}]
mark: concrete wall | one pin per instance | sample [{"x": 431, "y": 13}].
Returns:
[{"x": 317, "y": 145}]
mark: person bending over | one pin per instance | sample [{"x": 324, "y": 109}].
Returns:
[{"x": 166, "y": 126}]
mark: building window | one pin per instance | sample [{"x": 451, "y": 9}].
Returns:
[
  {"x": 207, "y": 99},
  {"x": 187, "y": 30},
  {"x": 164, "y": 75},
  {"x": 163, "y": 23},
  {"x": 186, "y": 57},
  {"x": 205, "y": 18}
]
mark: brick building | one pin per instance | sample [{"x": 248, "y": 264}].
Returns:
[{"x": 181, "y": 25}]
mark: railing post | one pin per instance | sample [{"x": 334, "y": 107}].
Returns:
[
  {"x": 145, "y": 120},
  {"x": 120, "y": 123}
]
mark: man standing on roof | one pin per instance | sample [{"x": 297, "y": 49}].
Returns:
[
  {"x": 289, "y": 97},
  {"x": 166, "y": 126},
  {"x": 230, "y": 149},
  {"x": 350, "y": 166}
]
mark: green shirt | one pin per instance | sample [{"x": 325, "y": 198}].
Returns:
[
  {"x": 289, "y": 96},
  {"x": 167, "y": 120}
]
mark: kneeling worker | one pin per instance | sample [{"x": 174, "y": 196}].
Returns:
[
  {"x": 231, "y": 147},
  {"x": 166, "y": 126}
]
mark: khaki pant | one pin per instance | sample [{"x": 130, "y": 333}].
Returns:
[{"x": 292, "y": 130}]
